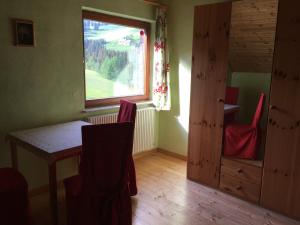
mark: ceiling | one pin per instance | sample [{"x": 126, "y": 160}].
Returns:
[{"x": 252, "y": 35}]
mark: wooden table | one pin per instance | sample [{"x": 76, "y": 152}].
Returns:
[
  {"x": 231, "y": 108},
  {"x": 52, "y": 143}
]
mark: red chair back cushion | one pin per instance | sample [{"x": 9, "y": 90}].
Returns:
[
  {"x": 106, "y": 151},
  {"x": 259, "y": 111},
  {"x": 127, "y": 111},
  {"x": 232, "y": 95},
  {"x": 14, "y": 202}
]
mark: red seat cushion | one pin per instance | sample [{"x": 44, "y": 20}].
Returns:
[
  {"x": 242, "y": 140},
  {"x": 14, "y": 203},
  {"x": 73, "y": 185},
  {"x": 12, "y": 181}
]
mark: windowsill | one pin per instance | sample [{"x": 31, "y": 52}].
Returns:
[{"x": 110, "y": 107}]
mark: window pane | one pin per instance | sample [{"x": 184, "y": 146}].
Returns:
[{"x": 114, "y": 60}]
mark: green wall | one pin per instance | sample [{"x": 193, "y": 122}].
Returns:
[
  {"x": 45, "y": 84},
  {"x": 173, "y": 125}
]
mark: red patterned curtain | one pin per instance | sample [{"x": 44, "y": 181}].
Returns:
[{"x": 161, "y": 77}]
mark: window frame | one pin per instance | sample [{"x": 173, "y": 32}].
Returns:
[{"x": 125, "y": 22}]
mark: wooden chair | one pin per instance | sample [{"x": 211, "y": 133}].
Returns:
[
  {"x": 100, "y": 194},
  {"x": 242, "y": 140},
  {"x": 14, "y": 202},
  {"x": 127, "y": 113}
]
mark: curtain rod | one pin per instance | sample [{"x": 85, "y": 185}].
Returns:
[{"x": 155, "y": 3}]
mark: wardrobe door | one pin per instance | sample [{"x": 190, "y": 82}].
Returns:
[
  {"x": 281, "y": 176},
  {"x": 209, "y": 68}
]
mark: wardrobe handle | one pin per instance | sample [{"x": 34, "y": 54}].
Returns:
[
  {"x": 220, "y": 100},
  {"x": 239, "y": 188},
  {"x": 240, "y": 171},
  {"x": 227, "y": 189}
]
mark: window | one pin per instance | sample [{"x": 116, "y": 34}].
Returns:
[{"x": 116, "y": 56}]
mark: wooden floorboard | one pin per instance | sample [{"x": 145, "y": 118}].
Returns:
[{"x": 166, "y": 197}]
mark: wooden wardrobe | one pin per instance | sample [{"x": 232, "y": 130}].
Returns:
[{"x": 275, "y": 183}]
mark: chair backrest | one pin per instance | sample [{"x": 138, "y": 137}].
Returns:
[
  {"x": 127, "y": 111},
  {"x": 106, "y": 149},
  {"x": 232, "y": 95},
  {"x": 259, "y": 110}
]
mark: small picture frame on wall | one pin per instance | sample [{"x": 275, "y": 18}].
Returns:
[{"x": 23, "y": 32}]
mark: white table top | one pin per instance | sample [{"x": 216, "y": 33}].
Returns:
[
  {"x": 53, "y": 138},
  {"x": 231, "y": 108}
]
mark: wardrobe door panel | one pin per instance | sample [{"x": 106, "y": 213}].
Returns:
[
  {"x": 281, "y": 176},
  {"x": 209, "y": 69}
]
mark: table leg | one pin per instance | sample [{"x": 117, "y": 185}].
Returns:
[
  {"x": 53, "y": 193},
  {"x": 14, "y": 155}
]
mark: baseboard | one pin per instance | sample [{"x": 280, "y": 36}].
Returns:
[
  {"x": 144, "y": 153},
  {"x": 173, "y": 154}
]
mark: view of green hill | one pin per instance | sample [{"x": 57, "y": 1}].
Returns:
[
  {"x": 96, "y": 86},
  {"x": 112, "y": 60}
]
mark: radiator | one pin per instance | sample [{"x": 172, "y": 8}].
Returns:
[{"x": 144, "y": 133}]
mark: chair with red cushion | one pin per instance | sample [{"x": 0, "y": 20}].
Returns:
[
  {"x": 242, "y": 140},
  {"x": 14, "y": 202},
  {"x": 232, "y": 95},
  {"x": 127, "y": 113},
  {"x": 99, "y": 195},
  {"x": 231, "y": 98}
]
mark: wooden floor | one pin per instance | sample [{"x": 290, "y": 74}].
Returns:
[{"x": 166, "y": 197}]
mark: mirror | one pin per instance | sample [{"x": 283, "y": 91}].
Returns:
[{"x": 252, "y": 37}]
